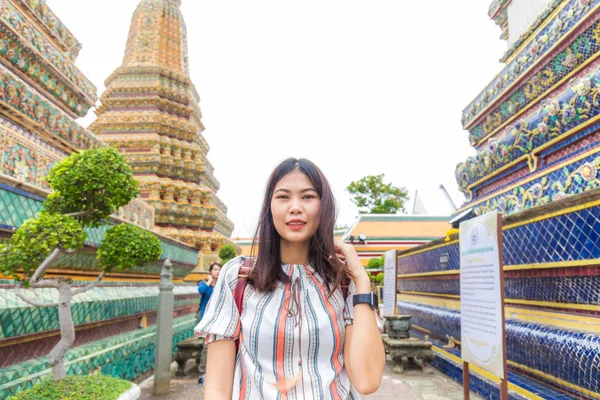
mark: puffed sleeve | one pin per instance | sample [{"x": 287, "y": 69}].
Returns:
[
  {"x": 348, "y": 306},
  {"x": 221, "y": 319}
]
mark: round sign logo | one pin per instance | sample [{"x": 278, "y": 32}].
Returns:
[{"x": 474, "y": 236}]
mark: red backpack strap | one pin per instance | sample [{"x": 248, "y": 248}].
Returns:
[
  {"x": 345, "y": 286},
  {"x": 240, "y": 288}
]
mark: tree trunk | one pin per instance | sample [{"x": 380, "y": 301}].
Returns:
[{"x": 67, "y": 332}]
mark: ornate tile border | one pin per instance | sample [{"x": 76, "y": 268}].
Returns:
[
  {"x": 558, "y": 117},
  {"x": 21, "y": 98},
  {"x": 567, "y": 19},
  {"x": 27, "y": 49},
  {"x": 40, "y": 11}
]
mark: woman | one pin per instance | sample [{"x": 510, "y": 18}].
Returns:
[
  {"x": 298, "y": 337},
  {"x": 206, "y": 289}
]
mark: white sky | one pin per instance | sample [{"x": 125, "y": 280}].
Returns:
[{"x": 360, "y": 87}]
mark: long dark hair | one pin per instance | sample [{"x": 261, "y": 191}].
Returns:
[{"x": 267, "y": 271}]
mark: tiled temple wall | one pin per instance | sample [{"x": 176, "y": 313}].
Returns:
[
  {"x": 127, "y": 356},
  {"x": 27, "y": 331},
  {"x": 552, "y": 290}
]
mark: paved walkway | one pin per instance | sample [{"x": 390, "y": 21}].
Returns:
[{"x": 412, "y": 384}]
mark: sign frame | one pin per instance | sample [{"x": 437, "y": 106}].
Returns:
[
  {"x": 390, "y": 283},
  {"x": 496, "y": 219}
]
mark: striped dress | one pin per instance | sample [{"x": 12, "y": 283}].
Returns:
[{"x": 291, "y": 333}]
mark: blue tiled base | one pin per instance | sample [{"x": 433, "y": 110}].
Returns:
[
  {"x": 482, "y": 386},
  {"x": 557, "y": 352},
  {"x": 490, "y": 390},
  {"x": 486, "y": 388}
]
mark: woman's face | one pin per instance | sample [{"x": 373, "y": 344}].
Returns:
[
  {"x": 295, "y": 207},
  {"x": 215, "y": 271}
]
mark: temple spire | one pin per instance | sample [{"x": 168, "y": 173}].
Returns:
[
  {"x": 158, "y": 37},
  {"x": 150, "y": 112}
]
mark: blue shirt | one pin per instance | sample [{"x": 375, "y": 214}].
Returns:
[{"x": 205, "y": 291}]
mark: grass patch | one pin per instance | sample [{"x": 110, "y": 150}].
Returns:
[{"x": 76, "y": 387}]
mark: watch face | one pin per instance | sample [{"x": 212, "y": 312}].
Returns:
[{"x": 374, "y": 301}]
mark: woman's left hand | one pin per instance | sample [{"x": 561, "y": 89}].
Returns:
[{"x": 347, "y": 254}]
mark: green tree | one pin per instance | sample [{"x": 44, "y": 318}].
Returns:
[
  {"x": 373, "y": 196},
  {"x": 88, "y": 187},
  {"x": 382, "y": 260},
  {"x": 373, "y": 263},
  {"x": 379, "y": 278},
  {"x": 226, "y": 253}
]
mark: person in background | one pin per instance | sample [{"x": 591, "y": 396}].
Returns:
[{"x": 205, "y": 289}]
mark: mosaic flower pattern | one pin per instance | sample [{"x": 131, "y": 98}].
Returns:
[
  {"x": 556, "y": 116},
  {"x": 577, "y": 177},
  {"x": 18, "y": 50},
  {"x": 52, "y": 24},
  {"x": 19, "y": 97},
  {"x": 568, "y": 17},
  {"x": 525, "y": 35},
  {"x": 19, "y": 163}
]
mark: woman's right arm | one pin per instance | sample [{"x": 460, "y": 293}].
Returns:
[
  {"x": 202, "y": 288},
  {"x": 220, "y": 365}
]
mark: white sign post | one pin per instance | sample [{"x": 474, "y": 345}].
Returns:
[
  {"x": 390, "y": 284},
  {"x": 483, "y": 337}
]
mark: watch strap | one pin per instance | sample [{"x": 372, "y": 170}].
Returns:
[{"x": 366, "y": 298}]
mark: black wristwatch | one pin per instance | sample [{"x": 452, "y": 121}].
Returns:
[{"x": 367, "y": 298}]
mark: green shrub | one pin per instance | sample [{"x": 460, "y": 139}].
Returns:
[
  {"x": 382, "y": 260},
  {"x": 126, "y": 246},
  {"x": 379, "y": 278},
  {"x": 96, "y": 387},
  {"x": 373, "y": 263},
  {"x": 227, "y": 253},
  {"x": 96, "y": 181},
  {"x": 35, "y": 240}
]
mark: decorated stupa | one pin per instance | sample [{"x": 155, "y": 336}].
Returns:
[{"x": 150, "y": 112}]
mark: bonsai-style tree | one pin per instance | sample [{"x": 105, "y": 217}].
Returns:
[
  {"x": 226, "y": 253},
  {"x": 88, "y": 187}
]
